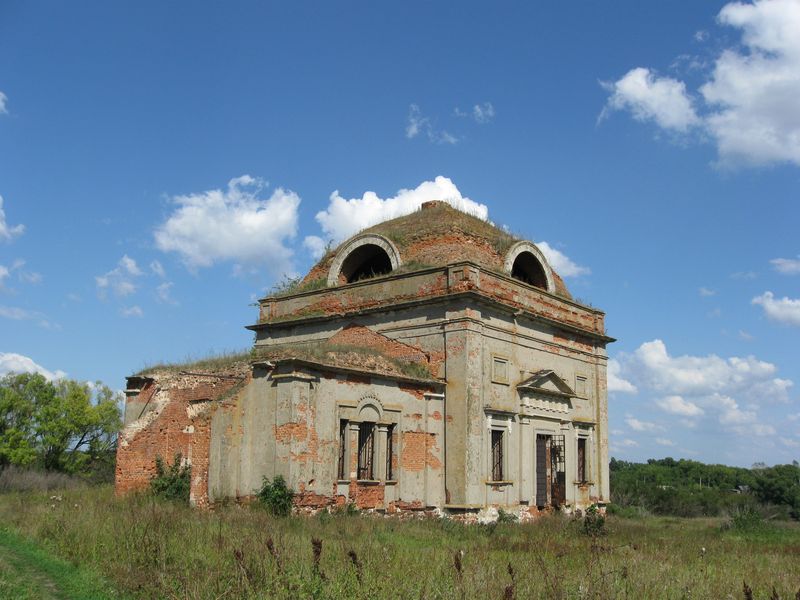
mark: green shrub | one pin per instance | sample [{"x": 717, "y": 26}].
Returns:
[
  {"x": 276, "y": 496},
  {"x": 506, "y": 517},
  {"x": 173, "y": 482},
  {"x": 745, "y": 518},
  {"x": 626, "y": 512},
  {"x": 594, "y": 523}
]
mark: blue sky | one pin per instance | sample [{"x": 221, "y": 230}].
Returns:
[{"x": 162, "y": 165}]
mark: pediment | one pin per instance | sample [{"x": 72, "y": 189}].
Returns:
[{"x": 546, "y": 382}]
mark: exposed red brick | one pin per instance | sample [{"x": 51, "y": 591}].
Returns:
[
  {"x": 418, "y": 447},
  {"x": 176, "y": 429}
]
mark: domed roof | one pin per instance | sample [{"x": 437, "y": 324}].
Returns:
[{"x": 436, "y": 235}]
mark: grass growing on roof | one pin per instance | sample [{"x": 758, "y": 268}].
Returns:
[
  {"x": 345, "y": 355},
  {"x": 211, "y": 362},
  {"x": 289, "y": 286}
]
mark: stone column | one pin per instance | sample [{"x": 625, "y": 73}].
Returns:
[{"x": 379, "y": 457}]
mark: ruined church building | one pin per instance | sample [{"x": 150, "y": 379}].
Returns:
[{"x": 430, "y": 362}]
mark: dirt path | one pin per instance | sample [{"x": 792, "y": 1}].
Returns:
[
  {"x": 27, "y": 572},
  {"x": 21, "y": 579}
]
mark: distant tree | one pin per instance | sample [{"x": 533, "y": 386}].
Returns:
[
  {"x": 66, "y": 426},
  {"x": 779, "y": 485}
]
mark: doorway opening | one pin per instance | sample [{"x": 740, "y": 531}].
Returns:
[{"x": 551, "y": 473}]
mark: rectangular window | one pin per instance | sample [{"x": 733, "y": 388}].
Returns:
[
  {"x": 497, "y": 455},
  {"x": 499, "y": 369},
  {"x": 582, "y": 460},
  {"x": 580, "y": 386},
  {"x": 342, "y": 449},
  {"x": 389, "y": 452},
  {"x": 366, "y": 450}
]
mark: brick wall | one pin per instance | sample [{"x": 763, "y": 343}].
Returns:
[{"x": 176, "y": 420}]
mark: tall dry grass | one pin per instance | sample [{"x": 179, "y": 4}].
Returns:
[
  {"x": 156, "y": 549},
  {"x": 15, "y": 479}
]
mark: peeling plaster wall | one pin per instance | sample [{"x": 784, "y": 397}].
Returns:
[
  {"x": 287, "y": 423},
  {"x": 176, "y": 420}
]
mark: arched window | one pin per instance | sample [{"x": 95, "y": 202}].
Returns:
[
  {"x": 365, "y": 256},
  {"x": 364, "y": 262},
  {"x": 525, "y": 262},
  {"x": 528, "y": 269}
]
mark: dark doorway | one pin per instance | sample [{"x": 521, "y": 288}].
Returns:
[{"x": 551, "y": 476}]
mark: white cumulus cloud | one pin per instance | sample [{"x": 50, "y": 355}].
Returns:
[
  {"x": 664, "y": 442},
  {"x": 131, "y": 311},
  {"x": 164, "y": 293},
  {"x": 563, "y": 265},
  {"x": 615, "y": 381},
  {"x": 418, "y": 124},
  {"x": 626, "y": 443},
  {"x": 483, "y": 113},
  {"x": 783, "y": 310},
  {"x": 676, "y": 405},
  {"x": 315, "y": 245},
  {"x": 691, "y": 387},
  {"x": 638, "y": 425},
  {"x": 16, "y": 313},
  {"x": 119, "y": 280},
  {"x": 786, "y": 266},
  {"x": 8, "y": 232},
  {"x": 652, "y": 98},
  {"x": 3, "y": 102},
  {"x": 346, "y": 216},
  {"x": 749, "y": 97},
  {"x": 232, "y": 224},
  {"x": 158, "y": 269},
  {"x": 11, "y": 362}
]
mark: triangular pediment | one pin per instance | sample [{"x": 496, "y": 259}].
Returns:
[{"x": 546, "y": 382}]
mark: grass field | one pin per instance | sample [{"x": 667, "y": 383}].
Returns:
[
  {"x": 152, "y": 549},
  {"x": 29, "y": 573}
]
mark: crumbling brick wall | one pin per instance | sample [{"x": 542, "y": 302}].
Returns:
[{"x": 176, "y": 420}]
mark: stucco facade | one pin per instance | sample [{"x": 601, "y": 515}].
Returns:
[{"x": 432, "y": 361}]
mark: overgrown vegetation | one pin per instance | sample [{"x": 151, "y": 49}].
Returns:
[
  {"x": 154, "y": 549},
  {"x": 18, "y": 479},
  {"x": 688, "y": 488},
  {"x": 344, "y": 354},
  {"x": 61, "y": 426},
  {"x": 29, "y": 573},
  {"x": 442, "y": 220},
  {"x": 276, "y": 496},
  {"x": 294, "y": 285},
  {"x": 214, "y": 361},
  {"x": 172, "y": 482}
]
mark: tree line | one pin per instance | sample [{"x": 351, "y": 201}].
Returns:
[
  {"x": 61, "y": 426},
  {"x": 689, "y": 488}
]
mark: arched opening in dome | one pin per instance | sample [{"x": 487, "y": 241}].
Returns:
[
  {"x": 368, "y": 260},
  {"x": 527, "y": 268}
]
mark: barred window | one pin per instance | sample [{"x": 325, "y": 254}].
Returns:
[
  {"x": 342, "y": 449},
  {"x": 389, "y": 452},
  {"x": 497, "y": 455},
  {"x": 366, "y": 450},
  {"x": 582, "y": 460}
]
